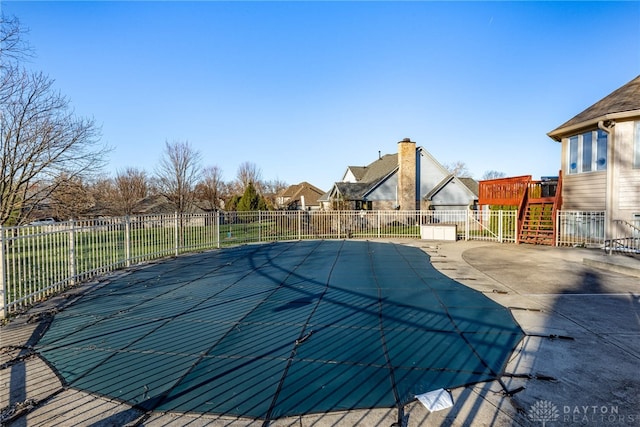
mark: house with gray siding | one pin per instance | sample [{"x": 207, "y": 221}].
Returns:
[
  {"x": 600, "y": 160},
  {"x": 411, "y": 179}
]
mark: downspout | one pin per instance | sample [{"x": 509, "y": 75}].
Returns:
[{"x": 607, "y": 126}]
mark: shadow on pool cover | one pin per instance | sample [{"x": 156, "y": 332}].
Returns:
[{"x": 281, "y": 329}]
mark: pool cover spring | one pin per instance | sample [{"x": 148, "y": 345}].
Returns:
[{"x": 281, "y": 329}]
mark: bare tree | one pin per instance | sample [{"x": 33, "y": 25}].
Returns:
[
  {"x": 70, "y": 198},
  {"x": 271, "y": 189},
  {"x": 491, "y": 174},
  {"x": 458, "y": 169},
  {"x": 42, "y": 143},
  {"x": 41, "y": 140},
  {"x": 130, "y": 186},
  {"x": 13, "y": 46},
  {"x": 13, "y": 49},
  {"x": 210, "y": 189},
  {"x": 178, "y": 174},
  {"x": 104, "y": 194},
  {"x": 249, "y": 173}
]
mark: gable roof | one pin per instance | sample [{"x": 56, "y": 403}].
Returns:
[
  {"x": 439, "y": 187},
  {"x": 160, "y": 204},
  {"x": 370, "y": 176},
  {"x": 357, "y": 171},
  {"x": 294, "y": 193},
  {"x": 380, "y": 168},
  {"x": 296, "y": 189},
  {"x": 352, "y": 190},
  {"x": 379, "y": 171},
  {"x": 471, "y": 184},
  {"x": 622, "y": 103}
]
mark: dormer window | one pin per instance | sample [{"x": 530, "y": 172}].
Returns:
[{"x": 588, "y": 152}]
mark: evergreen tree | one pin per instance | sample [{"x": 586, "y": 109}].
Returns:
[{"x": 250, "y": 200}]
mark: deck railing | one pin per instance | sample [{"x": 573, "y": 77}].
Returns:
[
  {"x": 511, "y": 191},
  {"x": 503, "y": 191},
  {"x": 39, "y": 261},
  {"x": 521, "y": 191},
  {"x": 625, "y": 237}
]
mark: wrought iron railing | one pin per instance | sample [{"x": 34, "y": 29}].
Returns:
[
  {"x": 39, "y": 261},
  {"x": 625, "y": 237},
  {"x": 579, "y": 228}
]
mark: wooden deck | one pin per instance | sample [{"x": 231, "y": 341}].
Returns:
[{"x": 537, "y": 203}]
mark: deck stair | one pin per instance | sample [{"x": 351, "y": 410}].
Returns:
[
  {"x": 537, "y": 203},
  {"x": 537, "y": 224}
]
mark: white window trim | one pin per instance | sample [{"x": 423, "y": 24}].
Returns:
[{"x": 579, "y": 160}]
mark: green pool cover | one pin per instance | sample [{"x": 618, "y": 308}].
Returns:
[{"x": 273, "y": 330}]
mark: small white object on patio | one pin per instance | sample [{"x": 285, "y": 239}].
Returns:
[{"x": 436, "y": 400}]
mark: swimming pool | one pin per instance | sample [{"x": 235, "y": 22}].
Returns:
[{"x": 288, "y": 328}]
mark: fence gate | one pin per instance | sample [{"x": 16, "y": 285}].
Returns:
[{"x": 497, "y": 226}]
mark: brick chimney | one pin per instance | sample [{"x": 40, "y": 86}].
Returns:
[{"x": 407, "y": 175}]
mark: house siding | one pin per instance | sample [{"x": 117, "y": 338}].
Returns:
[
  {"x": 454, "y": 194},
  {"x": 630, "y": 192},
  {"x": 616, "y": 190},
  {"x": 349, "y": 177},
  {"x": 401, "y": 181},
  {"x": 431, "y": 173},
  {"x": 626, "y": 200},
  {"x": 589, "y": 191},
  {"x": 584, "y": 192},
  {"x": 386, "y": 191}
]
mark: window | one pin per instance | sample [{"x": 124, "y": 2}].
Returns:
[
  {"x": 573, "y": 154},
  {"x": 363, "y": 205},
  {"x": 601, "y": 153},
  {"x": 636, "y": 147},
  {"x": 588, "y": 152}
]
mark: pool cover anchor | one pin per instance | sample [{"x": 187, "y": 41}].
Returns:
[
  {"x": 402, "y": 422},
  {"x": 303, "y": 339}
]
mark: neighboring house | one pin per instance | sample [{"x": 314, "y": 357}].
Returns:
[
  {"x": 412, "y": 179},
  {"x": 601, "y": 158},
  {"x": 303, "y": 196},
  {"x": 159, "y": 205}
]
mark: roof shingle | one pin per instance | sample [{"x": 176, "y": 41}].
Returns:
[{"x": 623, "y": 99}]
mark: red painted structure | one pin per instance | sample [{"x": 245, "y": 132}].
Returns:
[{"x": 532, "y": 199}]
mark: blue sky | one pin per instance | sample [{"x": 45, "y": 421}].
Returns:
[{"x": 304, "y": 89}]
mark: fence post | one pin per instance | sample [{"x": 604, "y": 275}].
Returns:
[
  {"x": 466, "y": 224},
  {"x": 379, "y": 221},
  {"x": 259, "y": 226},
  {"x": 127, "y": 241},
  {"x": 175, "y": 234},
  {"x": 299, "y": 225},
  {"x": 218, "y": 229},
  {"x": 500, "y": 212},
  {"x": 73, "y": 267},
  {"x": 517, "y": 221},
  {"x": 3, "y": 281},
  {"x": 607, "y": 232}
]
